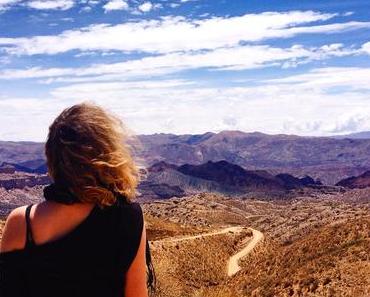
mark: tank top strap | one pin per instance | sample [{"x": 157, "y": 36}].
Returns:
[{"x": 29, "y": 237}]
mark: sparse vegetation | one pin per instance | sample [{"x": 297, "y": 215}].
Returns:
[{"x": 315, "y": 245}]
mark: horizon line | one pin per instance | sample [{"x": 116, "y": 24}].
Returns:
[{"x": 223, "y": 131}]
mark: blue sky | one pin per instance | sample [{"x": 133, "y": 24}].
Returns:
[{"x": 187, "y": 66}]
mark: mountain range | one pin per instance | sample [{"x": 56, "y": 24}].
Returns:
[
  {"x": 326, "y": 158},
  {"x": 165, "y": 180},
  {"x": 329, "y": 159}
]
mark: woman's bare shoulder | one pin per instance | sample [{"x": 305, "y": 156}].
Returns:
[{"x": 14, "y": 231}]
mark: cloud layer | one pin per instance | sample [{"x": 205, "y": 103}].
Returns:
[
  {"x": 233, "y": 58},
  {"x": 273, "y": 72},
  {"x": 51, "y": 4},
  {"x": 307, "y": 104},
  {"x": 172, "y": 34}
]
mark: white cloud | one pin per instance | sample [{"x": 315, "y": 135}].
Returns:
[
  {"x": 51, "y": 4},
  {"x": 348, "y": 13},
  {"x": 328, "y": 79},
  {"x": 304, "y": 106},
  {"x": 264, "y": 107},
  {"x": 145, "y": 7},
  {"x": 162, "y": 36},
  {"x": 116, "y": 5},
  {"x": 318, "y": 102},
  {"x": 305, "y": 109},
  {"x": 32, "y": 111},
  {"x": 233, "y": 58},
  {"x": 366, "y": 48},
  {"x": 351, "y": 123}
]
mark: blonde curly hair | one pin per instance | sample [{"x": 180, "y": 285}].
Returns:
[{"x": 86, "y": 151}]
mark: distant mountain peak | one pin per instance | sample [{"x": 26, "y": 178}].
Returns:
[{"x": 160, "y": 166}]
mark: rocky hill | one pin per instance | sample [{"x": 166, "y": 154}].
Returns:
[
  {"x": 232, "y": 175},
  {"x": 361, "y": 181},
  {"x": 324, "y": 158},
  {"x": 20, "y": 180},
  {"x": 220, "y": 177}
]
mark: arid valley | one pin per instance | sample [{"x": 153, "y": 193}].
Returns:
[{"x": 216, "y": 229}]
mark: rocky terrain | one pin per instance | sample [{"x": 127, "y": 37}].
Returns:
[
  {"x": 263, "y": 207},
  {"x": 326, "y": 158},
  {"x": 361, "y": 181},
  {"x": 21, "y": 180},
  {"x": 163, "y": 180},
  {"x": 10, "y": 199},
  {"x": 19, "y": 188},
  {"x": 313, "y": 245}
]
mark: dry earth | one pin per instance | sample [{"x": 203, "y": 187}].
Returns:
[{"x": 314, "y": 245}]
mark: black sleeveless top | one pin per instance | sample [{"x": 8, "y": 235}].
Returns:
[{"x": 91, "y": 260}]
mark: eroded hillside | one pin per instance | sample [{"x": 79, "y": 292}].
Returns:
[{"x": 313, "y": 245}]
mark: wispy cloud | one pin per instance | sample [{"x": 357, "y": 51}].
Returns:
[
  {"x": 328, "y": 79},
  {"x": 51, "y": 4},
  {"x": 366, "y": 48},
  {"x": 275, "y": 72},
  {"x": 233, "y": 58},
  {"x": 116, "y": 5},
  {"x": 162, "y": 36},
  {"x": 146, "y": 7}
]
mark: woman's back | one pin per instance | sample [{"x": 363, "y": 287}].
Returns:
[
  {"x": 73, "y": 249},
  {"x": 86, "y": 255}
]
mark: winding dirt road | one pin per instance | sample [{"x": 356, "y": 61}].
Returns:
[
  {"x": 233, "y": 266},
  {"x": 236, "y": 229}
]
